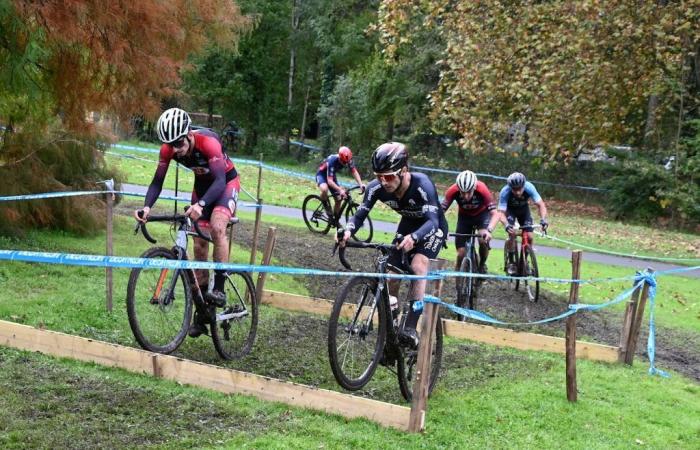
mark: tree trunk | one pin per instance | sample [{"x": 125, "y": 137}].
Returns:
[
  {"x": 306, "y": 109},
  {"x": 292, "y": 69},
  {"x": 650, "y": 126}
]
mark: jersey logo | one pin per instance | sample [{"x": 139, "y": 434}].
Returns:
[{"x": 423, "y": 194}]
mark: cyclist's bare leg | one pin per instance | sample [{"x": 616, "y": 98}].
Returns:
[
  {"x": 419, "y": 265},
  {"x": 336, "y": 206},
  {"x": 323, "y": 188},
  {"x": 201, "y": 253},
  {"x": 530, "y": 237},
  {"x": 483, "y": 248},
  {"x": 218, "y": 222},
  {"x": 460, "y": 256}
]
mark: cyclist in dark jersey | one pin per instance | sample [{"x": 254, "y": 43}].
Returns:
[
  {"x": 214, "y": 196},
  {"x": 327, "y": 180},
  {"x": 513, "y": 203},
  {"x": 477, "y": 211},
  {"x": 423, "y": 225}
]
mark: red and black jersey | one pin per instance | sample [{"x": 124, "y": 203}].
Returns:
[
  {"x": 481, "y": 201},
  {"x": 211, "y": 166}
]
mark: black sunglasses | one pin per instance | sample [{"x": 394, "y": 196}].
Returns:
[{"x": 179, "y": 143}]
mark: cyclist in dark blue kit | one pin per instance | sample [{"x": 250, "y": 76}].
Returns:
[
  {"x": 327, "y": 180},
  {"x": 423, "y": 224}
]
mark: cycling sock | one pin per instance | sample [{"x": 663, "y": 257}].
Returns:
[
  {"x": 219, "y": 280},
  {"x": 412, "y": 317}
]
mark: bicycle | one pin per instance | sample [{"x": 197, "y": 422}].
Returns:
[
  {"x": 314, "y": 210},
  {"x": 467, "y": 287},
  {"x": 525, "y": 262},
  {"x": 363, "y": 330},
  {"x": 159, "y": 301}
]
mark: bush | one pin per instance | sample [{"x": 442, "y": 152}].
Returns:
[{"x": 645, "y": 189}]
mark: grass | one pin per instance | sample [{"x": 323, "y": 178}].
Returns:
[{"x": 487, "y": 397}]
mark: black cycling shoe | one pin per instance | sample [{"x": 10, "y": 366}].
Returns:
[
  {"x": 216, "y": 297},
  {"x": 409, "y": 337},
  {"x": 197, "y": 329}
]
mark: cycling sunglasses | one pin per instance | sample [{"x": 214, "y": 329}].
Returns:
[
  {"x": 388, "y": 176},
  {"x": 179, "y": 143}
]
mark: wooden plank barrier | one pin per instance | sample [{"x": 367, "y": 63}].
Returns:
[
  {"x": 502, "y": 337},
  {"x": 202, "y": 375}
]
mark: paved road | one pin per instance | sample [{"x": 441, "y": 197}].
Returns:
[{"x": 633, "y": 263}]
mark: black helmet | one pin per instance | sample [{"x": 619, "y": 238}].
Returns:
[
  {"x": 389, "y": 157},
  {"x": 516, "y": 180}
]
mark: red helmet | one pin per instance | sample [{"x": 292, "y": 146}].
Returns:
[{"x": 345, "y": 155}]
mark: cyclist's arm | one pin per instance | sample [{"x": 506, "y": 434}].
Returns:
[
  {"x": 431, "y": 210},
  {"x": 368, "y": 201},
  {"x": 450, "y": 195},
  {"x": 356, "y": 175},
  {"x": 536, "y": 199},
  {"x": 211, "y": 149},
  {"x": 156, "y": 186}
]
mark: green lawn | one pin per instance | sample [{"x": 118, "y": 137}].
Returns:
[{"x": 487, "y": 397}]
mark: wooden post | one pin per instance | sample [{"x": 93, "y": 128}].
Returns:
[
  {"x": 258, "y": 214},
  {"x": 571, "y": 391},
  {"x": 627, "y": 323},
  {"x": 637, "y": 323},
  {"x": 110, "y": 246},
  {"x": 267, "y": 256},
  {"x": 419, "y": 403}
]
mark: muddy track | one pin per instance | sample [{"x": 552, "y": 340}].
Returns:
[
  {"x": 675, "y": 349},
  {"x": 295, "y": 247}
]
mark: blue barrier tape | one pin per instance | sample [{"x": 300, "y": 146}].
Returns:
[
  {"x": 650, "y": 279},
  {"x": 487, "y": 175},
  {"x": 51, "y": 195},
  {"x": 123, "y": 155},
  {"x": 47, "y": 195},
  {"x": 609, "y": 252},
  {"x": 133, "y": 262},
  {"x": 450, "y": 273},
  {"x": 303, "y": 145}
]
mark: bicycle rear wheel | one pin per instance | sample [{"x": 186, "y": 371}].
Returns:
[
  {"x": 366, "y": 231},
  {"x": 159, "y": 304},
  {"x": 234, "y": 328},
  {"x": 407, "y": 365},
  {"x": 315, "y": 215},
  {"x": 356, "y": 333},
  {"x": 530, "y": 270}
]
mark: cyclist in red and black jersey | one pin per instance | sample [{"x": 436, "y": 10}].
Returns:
[
  {"x": 477, "y": 210},
  {"x": 214, "y": 196}
]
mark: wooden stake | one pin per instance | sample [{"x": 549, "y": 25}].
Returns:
[
  {"x": 637, "y": 323},
  {"x": 110, "y": 248},
  {"x": 258, "y": 214},
  {"x": 267, "y": 257},
  {"x": 627, "y": 323},
  {"x": 571, "y": 391},
  {"x": 421, "y": 381}
]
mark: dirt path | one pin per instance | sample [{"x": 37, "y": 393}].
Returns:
[{"x": 675, "y": 349}]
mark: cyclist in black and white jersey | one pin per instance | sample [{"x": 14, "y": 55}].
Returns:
[{"x": 423, "y": 224}]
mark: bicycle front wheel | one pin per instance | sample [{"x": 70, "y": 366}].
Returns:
[
  {"x": 159, "y": 304},
  {"x": 530, "y": 270},
  {"x": 407, "y": 365},
  {"x": 356, "y": 333},
  {"x": 234, "y": 328},
  {"x": 466, "y": 287},
  {"x": 315, "y": 215},
  {"x": 366, "y": 231}
]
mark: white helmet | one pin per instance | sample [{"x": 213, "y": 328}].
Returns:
[
  {"x": 466, "y": 181},
  {"x": 172, "y": 125}
]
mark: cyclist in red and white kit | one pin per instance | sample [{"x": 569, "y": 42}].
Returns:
[
  {"x": 214, "y": 195},
  {"x": 477, "y": 210}
]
